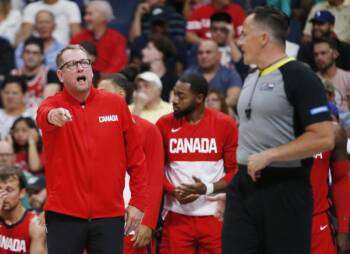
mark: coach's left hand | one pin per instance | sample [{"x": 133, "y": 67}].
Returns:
[
  {"x": 142, "y": 237},
  {"x": 133, "y": 218},
  {"x": 258, "y": 162}
]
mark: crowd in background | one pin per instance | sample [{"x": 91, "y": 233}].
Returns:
[{"x": 143, "y": 47}]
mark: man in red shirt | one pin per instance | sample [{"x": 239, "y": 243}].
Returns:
[
  {"x": 110, "y": 45},
  {"x": 199, "y": 23},
  {"x": 200, "y": 147},
  {"x": 151, "y": 140},
  {"x": 90, "y": 140},
  {"x": 20, "y": 231}
]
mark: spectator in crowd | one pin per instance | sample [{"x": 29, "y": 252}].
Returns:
[
  {"x": 13, "y": 91},
  {"x": 190, "y": 5},
  {"x": 36, "y": 190},
  {"x": 219, "y": 77},
  {"x": 18, "y": 226},
  {"x": 322, "y": 26},
  {"x": 325, "y": 54},
  {"x": 88, "y": 130},
  {"x": 6, "y": 58},
  {"x": 151, "y": 10},
  {"x": 10, "y": 21},
  {"x": 153, "y": 149},
  {"x": 35, "y": 72},
  {"x": 216, "y": 100},
  {"x": 148, "y": 103},
  {"x": 44, "y": 26},
  {"x": 110, "y": 44},
  {"x": 7, "y": 154},
  {"x": 341, "y": 11},
  {"x": 157, "y": 55},
  {"x": 27, "y": 144},
  {"x": 67, "y": 19},
  {"x": 200, "y": 151},
  {"x": 199, "y": 23}
]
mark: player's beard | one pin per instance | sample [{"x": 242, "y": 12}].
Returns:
[{"x": 182, "y": 113}]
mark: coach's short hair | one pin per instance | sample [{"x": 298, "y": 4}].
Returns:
[
  {"x": 198, "y": 83},
  {"x": 9, "y": 172},
  {"x": 69, "y": 47},
  {"x": 274, "y": 20}
]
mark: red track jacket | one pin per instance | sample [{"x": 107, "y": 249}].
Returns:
[{"x": 87, "y": 157}]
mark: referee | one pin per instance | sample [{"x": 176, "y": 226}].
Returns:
[{"x": 284, "y": 121}]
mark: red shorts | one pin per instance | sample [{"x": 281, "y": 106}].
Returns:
[
  {"x": 322, "y": 241},
  {"x": 129, "y": 249},
  {"x": 184, "y": 234}
]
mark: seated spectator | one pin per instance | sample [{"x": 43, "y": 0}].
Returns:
[
  {"x": 341, "y": 12},
  {"x": 151, "y": 10},
  {"x": 325, "y": 54},
  {"x": 36, "y": 190},
  {"x": 110, "y": 44},
  {"x": 27, "y": 144},
  {"x": 44, "y": 26},
  {"x": 147, "y": 101},
  {"x": 6, "y": 58},
  {"x": 10, "y": 21},
  {"x": 157, "y": 55},
  {"x": 13, "y": 91},
  {"x": 226, "y": 80},
  {"x": 7, "y": 154},
  {"x": 37, "y": 75},
  {"x": 199, "y": 23},
  {"x": 67, "y": 17},
  {"x": 322, "y": 27},
  {"x": 216, "y": 100}
]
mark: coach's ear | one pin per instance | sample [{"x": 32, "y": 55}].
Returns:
[{"x": 60, "y": 75}]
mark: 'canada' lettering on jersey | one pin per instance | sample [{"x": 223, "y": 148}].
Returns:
[{"x": 192, "y": 145}]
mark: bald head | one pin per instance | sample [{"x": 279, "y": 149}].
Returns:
[
  {"x": 208, "y": 55},
  {"x": 7, "y": 155}
]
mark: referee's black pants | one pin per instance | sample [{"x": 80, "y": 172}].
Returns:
[
  {"x": 71, "y": 235},
  {"x": 271, "y": 216}
]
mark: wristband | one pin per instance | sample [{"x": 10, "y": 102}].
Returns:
[{"x": 210, "y": 188}]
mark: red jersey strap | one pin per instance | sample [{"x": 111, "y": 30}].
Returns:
[{"x": 341, "y": 190}]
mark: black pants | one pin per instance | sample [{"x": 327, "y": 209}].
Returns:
[
  {"x": 71, "y": 235},
  {"x": 271, "y": 216}
]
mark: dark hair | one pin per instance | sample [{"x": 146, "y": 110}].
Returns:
[
  {"x": 34, "y": 41},
  {"x": 13, "y": 171},
  {"x": 20, "y": 80},
  {"x": 199, "y": 84},
  {"x": 125, "y": 84},
  {"x": 130, "y": 72},
  {"x": 31, "y": 124},
  {"x": 89, "y": 47},
  {"x": 221, "y": 17},
  {"x": 275, "y": 20},
  {"x": 164, "y": 45},
  {"x": 330, "y": 41},
  {"x": 224, "y": 107}
]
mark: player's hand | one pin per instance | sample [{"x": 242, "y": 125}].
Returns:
[
  {"x": 142, "y": 237},
  {"x": 184, "y": 199},
  {"x": 59, "y": 116},
  {"x": 258, "y": 162},
  {"x": 220, "y": 210},
  {"x": 198, "y": 187},
  {"x": 3, "y": 195},
  {"x": 230, "y": 33},
  {"x": 141, "y": 99},
  {"x": 33, "y": 136},
  {"x": 342, "y": 242},
  {"x": 133, "y": 218}
]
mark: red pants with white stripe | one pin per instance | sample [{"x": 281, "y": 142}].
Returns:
[
  {"x": 322, "y": 241},
  {"x": 129, "y": 249},
  {"x": 184, "y": 234}
]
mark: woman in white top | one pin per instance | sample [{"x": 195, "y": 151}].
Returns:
[{"x": 10, "y": 21}]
